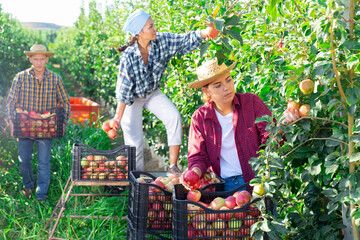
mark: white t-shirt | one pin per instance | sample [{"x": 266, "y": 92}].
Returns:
[{"x": 229, "y": 159}]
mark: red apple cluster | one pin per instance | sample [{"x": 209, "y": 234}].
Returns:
[
  {"x": 97, "y": 167},
  {"x": 224, "y": 222},
  {"x": 193, "y": 181},
  {"x": 110, "y": 127},
  {"x": 160, "y": 204},
  {"x": 37, "y": 125}
]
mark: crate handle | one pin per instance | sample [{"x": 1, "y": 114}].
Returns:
[{"x": 102, "y": 151}]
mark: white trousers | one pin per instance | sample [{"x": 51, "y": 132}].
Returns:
[{"x": 131, "y": 122}]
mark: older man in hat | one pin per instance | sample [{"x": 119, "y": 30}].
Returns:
[
  {"x": 36, "y": 89},
  {"x": 223, "y": 133}
]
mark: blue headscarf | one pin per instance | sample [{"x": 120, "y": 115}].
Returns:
[{"x": 136, "y": 21}]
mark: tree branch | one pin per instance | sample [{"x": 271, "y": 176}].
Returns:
[
  {"x": 312, "y": 139},
  {"x": 337, "y": 76},
  {"x": 317, "y": 118}
]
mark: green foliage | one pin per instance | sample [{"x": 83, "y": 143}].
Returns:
[
  {"x": 22, "y": 218},
  {"x": 277, "y": 44},
  {"x": 14, "y": 40}
]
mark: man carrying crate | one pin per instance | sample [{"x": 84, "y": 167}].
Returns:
[{"x": 36, "y": 89}]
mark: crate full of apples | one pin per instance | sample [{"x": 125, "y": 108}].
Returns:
[
  {"x": 32, "y": 124},
  {"x": 150, "y": 203},
  {"x": 89, "y": 164},
  {"x": 213, "y": 215}
]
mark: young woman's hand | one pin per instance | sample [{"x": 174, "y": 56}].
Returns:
[{"x": 210, "y": 31}]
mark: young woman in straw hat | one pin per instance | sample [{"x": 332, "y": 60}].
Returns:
[
  {"x": 142, "y": 65},
  {"x": 223, "y": 134}
]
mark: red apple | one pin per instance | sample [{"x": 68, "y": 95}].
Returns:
[
  {"x": 217, "y": 203},
  {"x": 230, "y": 202},
  {"x": 158, "y": 183},
  {"x": 141, "y": 180},
  {"x": 193, "y": 195},
  {"x": 106, "y": 126},
  {"x": 243, "y": 198},
  {"x": 113, "y": 124},
  {"x": 165, "y": 180},
  {"x": 111, "y": 133},
  {"x": 191, "y": 177},
  {"x": 169, "y": 186}
]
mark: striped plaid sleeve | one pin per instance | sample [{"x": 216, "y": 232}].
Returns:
[
  {"x": 63, "y": 98},
  {"x": 182, "y": 44},
  {"x": 13, "y": 97},
  {"x": 124, "y": 84}
]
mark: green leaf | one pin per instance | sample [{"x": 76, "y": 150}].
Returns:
[
  {"x": 331, "y": 169},
  {"x": 265, "y": 226},
  {"x": 351, "y": 45},
  {"x": 219, "y": 24},
  {"x": 226, "y": 43},
  {"x": 351, "y": 109},
  {"x": 331, "y": 143},
  {"x": 235, "y": 35},
  {"x": 232, "y": 21},
  {"x": 315, "y": 169},
  {"x": 264, "y": 118},
  {"x": 356, "y": 140},
  {"x": 330, "y": 193},
  {"x": 355, "y": 157},
  {"x": 352, "y": 95},
  {"x": 306, "y": 124},
  {"x": 204, "y": 48}
]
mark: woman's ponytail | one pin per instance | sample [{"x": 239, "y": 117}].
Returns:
[{"x": 131, "y": 42}]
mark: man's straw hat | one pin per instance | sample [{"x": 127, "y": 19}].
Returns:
[
  {"x": 209, "y": 71},
  {"x": 38, "y": 49}
]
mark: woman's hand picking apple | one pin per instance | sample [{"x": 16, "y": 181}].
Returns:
[
  {"x": 210, "y": 32},
  {"x": 190, "y": 178}
]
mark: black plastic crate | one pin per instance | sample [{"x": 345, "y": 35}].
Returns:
[
  {"x": 150, "y": 206},
  {"x": 89, "y": 164},
  {"x": 193, "y": 220},
  {"x": 47, "y": 125}
]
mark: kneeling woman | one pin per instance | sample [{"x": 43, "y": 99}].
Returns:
[{"x": 223, "y": 134}]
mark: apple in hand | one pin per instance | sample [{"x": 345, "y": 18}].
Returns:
[
  {"x": 211, "y": 31},
  {"x": 111, "y": 133},
  {"x": 191, "y": 177},
  {"x": 113, "y": 124},
  {"x": 106, "y": 126}
]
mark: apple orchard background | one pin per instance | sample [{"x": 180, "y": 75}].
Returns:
[{"x": 313, "y": 177}]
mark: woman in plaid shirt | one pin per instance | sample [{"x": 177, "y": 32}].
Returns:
[{"x": 142, "y": 65}]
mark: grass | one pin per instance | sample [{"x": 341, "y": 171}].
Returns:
[{"x": 22, "y": 218}]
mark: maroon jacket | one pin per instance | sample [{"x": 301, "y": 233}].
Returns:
[{"x": 205, "y": 134}]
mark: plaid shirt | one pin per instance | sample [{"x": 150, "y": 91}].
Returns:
[
  {"x": 28, "y": 93},
  {"x": 205, "y": 134},
  {"x": 135, "y": 80}
]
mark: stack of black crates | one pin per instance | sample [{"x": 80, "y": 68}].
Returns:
[{"x": 150, "y": 209}]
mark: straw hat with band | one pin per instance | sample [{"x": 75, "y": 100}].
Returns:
[
  {"x": 210, "y": 71},
  {"x": 38, "y": 49}
]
